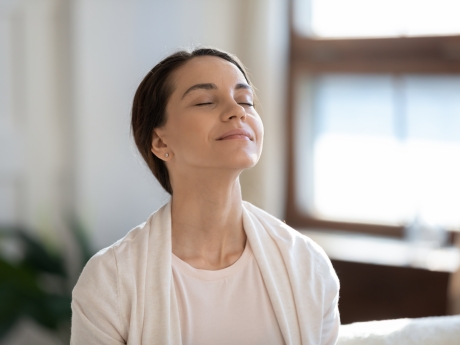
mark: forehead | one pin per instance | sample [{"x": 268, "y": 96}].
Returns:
[{"x": 207, "y": 69}]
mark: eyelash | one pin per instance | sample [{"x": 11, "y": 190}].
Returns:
[{"x": 201, "y": 104}]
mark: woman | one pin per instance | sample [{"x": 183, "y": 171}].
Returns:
[{"x": 206, "y": 268}]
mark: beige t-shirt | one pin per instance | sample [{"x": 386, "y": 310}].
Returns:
[{"x": 228, "y": 306}]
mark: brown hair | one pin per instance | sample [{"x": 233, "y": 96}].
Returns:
[{"x": 151, "y": 98}]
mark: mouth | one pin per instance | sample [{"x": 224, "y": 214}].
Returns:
[{"x": 237, "y": 133}]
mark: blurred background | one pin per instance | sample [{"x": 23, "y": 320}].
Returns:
[{"x": 361, "y": 106}]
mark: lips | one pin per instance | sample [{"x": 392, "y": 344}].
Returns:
[{"x": 237, "y": 133}]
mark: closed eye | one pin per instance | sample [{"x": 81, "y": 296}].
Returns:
[
  {"x": 248, "y": 104},
  {"x": 201, "y": 104}
]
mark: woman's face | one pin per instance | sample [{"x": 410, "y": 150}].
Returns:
[{"x": 211, "y": 121}]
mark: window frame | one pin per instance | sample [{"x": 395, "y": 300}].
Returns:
[{"x": 392, "y": 55}]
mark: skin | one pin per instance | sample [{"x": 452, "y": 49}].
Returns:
[{"x": 204, "y": 168}]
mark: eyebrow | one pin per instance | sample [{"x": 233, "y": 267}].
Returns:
[{"x": 211, "y": 86}]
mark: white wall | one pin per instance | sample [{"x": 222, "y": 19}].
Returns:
[
  {"x": 69, "y": 70},
  {"x": 31, "y": 125}
]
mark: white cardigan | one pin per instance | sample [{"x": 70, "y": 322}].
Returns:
[{"x": 125, "y": 294}]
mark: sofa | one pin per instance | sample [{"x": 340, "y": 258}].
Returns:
[{"x": 442, "y": 330}]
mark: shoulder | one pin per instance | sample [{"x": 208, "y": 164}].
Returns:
[
  {"x": 99, "y": 295},
  {"x": 103, "y": 264},
  {"x": 103, "y": 267},
  {"x": 131, "y": 246},
  {"x": 284, "y": 234},
  {"x": 300, "y": 248},
  {"x": 100, "y": 274}
]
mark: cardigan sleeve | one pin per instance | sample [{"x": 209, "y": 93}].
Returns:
[
  {"x": 331, "y": 316},
  {"x": 95, "y": 310}
]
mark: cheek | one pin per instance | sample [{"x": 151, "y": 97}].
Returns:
[
  {"x": 259, "y": 130},
  {"x": 188, "y": 133}
]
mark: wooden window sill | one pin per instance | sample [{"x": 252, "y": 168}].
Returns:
[{"x": 386, "y": 251}]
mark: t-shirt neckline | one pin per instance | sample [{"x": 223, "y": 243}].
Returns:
[{"x": 202, "y": 274}]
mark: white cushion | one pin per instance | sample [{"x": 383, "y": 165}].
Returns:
[{"x": 442, "y": 330}]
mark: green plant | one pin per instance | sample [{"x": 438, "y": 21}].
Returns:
[{"x": 37, "y": 284}]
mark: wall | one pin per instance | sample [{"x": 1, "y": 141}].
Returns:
[{"x": 69, "y": 71}]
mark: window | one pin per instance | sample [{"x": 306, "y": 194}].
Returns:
[
  {"x": 374, "y": 122},
  {"x": 376, "y": 18}
]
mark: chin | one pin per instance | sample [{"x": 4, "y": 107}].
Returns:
[{"x": 244, "y": 161}]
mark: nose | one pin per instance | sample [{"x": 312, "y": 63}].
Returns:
[{"x": 233, "y": 111}]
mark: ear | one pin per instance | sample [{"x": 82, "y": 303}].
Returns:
[{"x": 159, "y": 147}]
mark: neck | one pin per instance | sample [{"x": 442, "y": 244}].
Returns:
[{"x": 207, "y": 223}]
